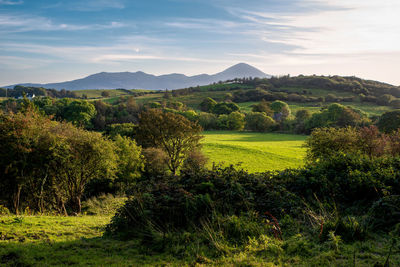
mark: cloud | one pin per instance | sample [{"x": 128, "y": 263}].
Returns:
[
  {"x": 96, "y": 5},
  {"x": 350, "y": 27},
  {"x": 24, "y": 23},
  {"x": 11, "y": 3}
]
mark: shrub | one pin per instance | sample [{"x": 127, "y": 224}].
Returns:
[
  {"x": 385, "y": 213},
  {"x": 4, "y": 210},
  {"x": 208, "y": 121},
  {"x": 233, "y": 121},
  {"x": 105, "y": 205},
  {"x": 281, "y": 110},
  {"x": 180, "y": 203},
  {"x": 156, "y": 160},
  {"x": 207, "y": 104},
  {"x": 259, "y": 122},
  {"x": 389, "y": 121}
]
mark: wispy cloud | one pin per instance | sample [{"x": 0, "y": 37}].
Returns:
[
  {"x": 25, "y": 23},
  {"x": 96, "y": 5},
  {"x": 11, "y": 3}
]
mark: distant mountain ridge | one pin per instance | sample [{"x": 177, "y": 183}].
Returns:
[{"x": 141, "y": 80}]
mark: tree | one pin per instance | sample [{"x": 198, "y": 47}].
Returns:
[
  {"x": 259, "y": 122},
  {"x": 171, "y": 132},
  {"x": 80, "y": 157},
  {"x": 20, "y": 137},
  {"x": 327, "y": 142},
  {"x": 281, "y": 110},
  {"x": 225, "y": 108},
  {"x": 105, "y": 94},
  {"x": 207, "y": 104},
  {"x": 263, "y": 106},
  {"x": 233, "y": 121},
  {"x": 129, "y": 161},
  {"x": 122, "y": 129},
  {"x": 208, "y": 121},
  {"x": 389, "y": 121},
  {"x": 79, "y": 113}
]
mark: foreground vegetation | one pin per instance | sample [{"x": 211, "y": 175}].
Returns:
[{"x": 74, "y": 241}]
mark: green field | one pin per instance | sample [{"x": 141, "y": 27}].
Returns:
[
  {"x": 256, "y": 152},
  {"x": 61, "y": 241},
  {"x": 78, "y": 241}
]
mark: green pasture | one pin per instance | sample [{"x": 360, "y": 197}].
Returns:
[
  {"x": 69, "y": 241},
  {"x": 370, "y": 109},
  {"x": 255, "y": 152}
]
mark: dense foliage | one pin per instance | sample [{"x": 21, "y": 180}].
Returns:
[{"x": 46, "y": 165}]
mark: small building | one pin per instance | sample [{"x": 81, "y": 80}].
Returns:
[{"x": 28, "y": 96}]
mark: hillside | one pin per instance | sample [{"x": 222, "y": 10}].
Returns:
[
  {"x": 310, "y": 92},
  {"x": 141, "y": 80}
]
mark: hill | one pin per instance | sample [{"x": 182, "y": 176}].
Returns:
[{"x": 141, "y": 80}]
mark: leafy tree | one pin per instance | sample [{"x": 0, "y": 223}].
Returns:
[
  {"x": 208, "y": 121},
  {"x": 263, "y": 106},
  {"x": 207, "y": 104},
  {"x": 105, "y": 94},
  {"x": 327, "y": 142},
  {"x": 79, "y": 113},
  {"x": 80, "y": 157},
  {"x": 122, "y": 129},
  {"x": 233, "y": 121},
  {"x": 20, "y": 136},
  {"x": 389, "y": 121},
  {"x": 385, "y": 99},
  {"x": 225, "y": 108},
  {"x": 156, "y": 161},
  {"x": 281, "y": 110},
  {"x": 259, "y": 122},
  {"x": 302, "y": 116},
  {"x": 173, "y": 133},
  {"x": 337, "y": 115},
  {"x": 129, "y": 161}
]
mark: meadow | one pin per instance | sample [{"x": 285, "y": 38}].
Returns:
[
  {"x": 255, "y": 152},
  {"x": 61, "y": 241},
  {"x": 78, "y": 241}
]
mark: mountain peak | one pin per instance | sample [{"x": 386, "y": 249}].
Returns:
[
  {"x": 241, "y": 70},
  {"x": 142, "y": 80}
]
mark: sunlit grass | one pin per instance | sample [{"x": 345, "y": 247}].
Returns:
[{"x": 256, "y": 152}]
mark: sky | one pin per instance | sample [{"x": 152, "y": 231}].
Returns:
[{"x": 44, "y": 41}]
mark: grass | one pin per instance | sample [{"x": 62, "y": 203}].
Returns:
[
  {"x": 78, "y": 241},
  {"x": 256, "y": 152},
  {"x": 96, "y": 93}
]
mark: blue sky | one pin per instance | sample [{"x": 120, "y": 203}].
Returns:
[{"x": 51, "y": 41}]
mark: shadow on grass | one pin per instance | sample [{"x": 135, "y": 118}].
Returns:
[{"x": 98, "y": 251}]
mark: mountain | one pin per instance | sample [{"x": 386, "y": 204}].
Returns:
[{"x": 141, "y": 80}]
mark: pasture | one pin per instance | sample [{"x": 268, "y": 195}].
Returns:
[
  {"x": 61, "y": 241},
  {"x": 255, "y": 152}
]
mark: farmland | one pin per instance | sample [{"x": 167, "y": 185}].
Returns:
[{"x": 255, "y": 152}]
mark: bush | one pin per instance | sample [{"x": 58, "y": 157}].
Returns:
[
  {"x": 389, "y": 121},
  {"x": 4, "y": 210},
  {"x": 233, "y": 121},
  {"x": 180, "y": 203},
  {"x": 385, "y": 213},
  {"x": 105, "y": 205},
  {"x": 156, "y": 160},
  {"x": 259, "y": 122},
  {"x": 208, "y": 121}
]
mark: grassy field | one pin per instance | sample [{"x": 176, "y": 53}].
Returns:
[
  {"x": 256, "y": 152},
  {"x": 96, "y": 93},
  {"x": 61, "y": 241},
  {"x": 78, "y": 241}
]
